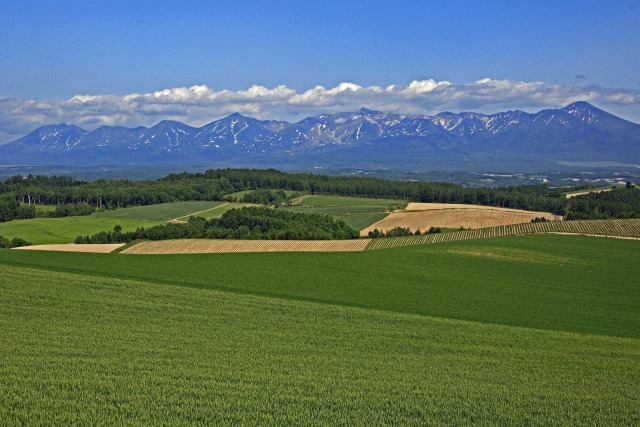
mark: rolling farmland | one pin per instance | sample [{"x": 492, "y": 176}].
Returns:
[
  {"x": 423, "y": 216},
  {"x": 357, "y": 212},
  {"x": 161, "y": 212},
  {"x": 623, "y": 228},
  {"x": 534, "y": 330},
  {"x": 607, "y": 227},
  {"x": 558, "y": 279},
  {"x": 45, "y": 231}
]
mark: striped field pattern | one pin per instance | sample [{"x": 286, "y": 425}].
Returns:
[
  {"x": 608, "y": 227},
  {"x": 194, "y": 246},
  {"x": 629, "y": 228}
]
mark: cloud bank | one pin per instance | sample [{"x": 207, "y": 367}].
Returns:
[{"x": 198, "y": 105}]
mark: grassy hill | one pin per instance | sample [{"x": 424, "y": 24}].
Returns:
[
  {"x": 357, "y": 212},
  {"x": 43, "y": 231},
  {"x": 163, "y": 211},
  {"x": 529, "y": 330},
  {"x": 569, "y": 283}
]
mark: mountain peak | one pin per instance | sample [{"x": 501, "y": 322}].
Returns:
[
  {"x": 367, "y": 111},
  {"x": 579, "y": 105},
  {"x": 169, "y": 123}
]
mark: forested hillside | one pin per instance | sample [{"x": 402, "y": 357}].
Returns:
[{"x": 18, "y": 192}]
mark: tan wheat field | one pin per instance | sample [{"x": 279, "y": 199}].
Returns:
[
  {"x": 192, "y": 246},
  {"x": 70, "y": 247},
  {"x": 422, "y": 216}
]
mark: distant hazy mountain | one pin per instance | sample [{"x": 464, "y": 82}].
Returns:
[{"x": 365, "y": 138}]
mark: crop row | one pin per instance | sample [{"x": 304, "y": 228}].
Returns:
[
  {"x": 615, "y": 227},
  {"x": 186, "y": 246}
]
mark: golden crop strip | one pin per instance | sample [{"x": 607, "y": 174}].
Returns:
[
  {"x": 423, "y": 216},
  {"x": 629, "y": 228},
  {"x": 187, "y": 246}
]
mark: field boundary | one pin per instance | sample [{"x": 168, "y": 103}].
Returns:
[
  {"x": 629, "y": 228},
  {"x": 300, "y": 199},
  {"x": 196, "y": 213},
  {"x": 613, "y": 228}
]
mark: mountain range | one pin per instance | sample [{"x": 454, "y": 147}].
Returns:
[{"x": 365, "y": 138}]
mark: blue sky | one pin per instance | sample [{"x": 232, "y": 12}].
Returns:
[{"x": 535, "y": 54}]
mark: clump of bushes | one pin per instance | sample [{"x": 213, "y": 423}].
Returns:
[
  {"x": 72, "y": 209},
  {"x": 541, "y": 219},
  {"x": 13, "y": 243}
]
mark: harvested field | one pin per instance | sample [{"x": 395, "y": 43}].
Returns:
[
  {"x": 71, "y": 247},
  {"x": 193, "y": 246},
  {"x": 613, "y": 228},
  {"x": 422, "y": 216}
]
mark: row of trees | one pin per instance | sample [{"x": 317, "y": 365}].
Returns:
[
  {"x": 11, "y": 208},
  {"x": 257, "y": 223},
  {"x": 400, "y": 231}
]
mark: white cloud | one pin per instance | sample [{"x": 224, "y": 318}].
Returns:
[{"x": 198, "y": 105}]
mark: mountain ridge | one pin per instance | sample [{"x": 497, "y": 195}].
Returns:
[{"x": 578, "y": 131}]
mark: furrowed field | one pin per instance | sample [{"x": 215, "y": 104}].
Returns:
[
  {"x": 423, "y": 216},
  {"x": 529, "y": 330}
]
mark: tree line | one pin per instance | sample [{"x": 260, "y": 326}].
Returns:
[{"x": 216, "y": 184}]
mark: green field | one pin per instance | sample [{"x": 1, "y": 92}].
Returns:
[
  {"x": 43, "y": 231},
  {"x": 221, "y": 209},
  {"x": 357, "y": 212},
  {"x": 531, "y": 330},
  {"x": 574, "y": 284},
  {"x": 161, "y": 212}
]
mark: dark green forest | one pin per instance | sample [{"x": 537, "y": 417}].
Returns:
[
  {"x": 18, "y": 193},
  {"x": 256, "y": 223}
]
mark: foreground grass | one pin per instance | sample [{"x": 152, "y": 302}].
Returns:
[
  {"x": 77, "y": 349},
  {"x": 44, "y": 231},
  {"x": 575, "y": 284}
]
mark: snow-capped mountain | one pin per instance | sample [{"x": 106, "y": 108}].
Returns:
[{"x": 579, "y": 131}]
